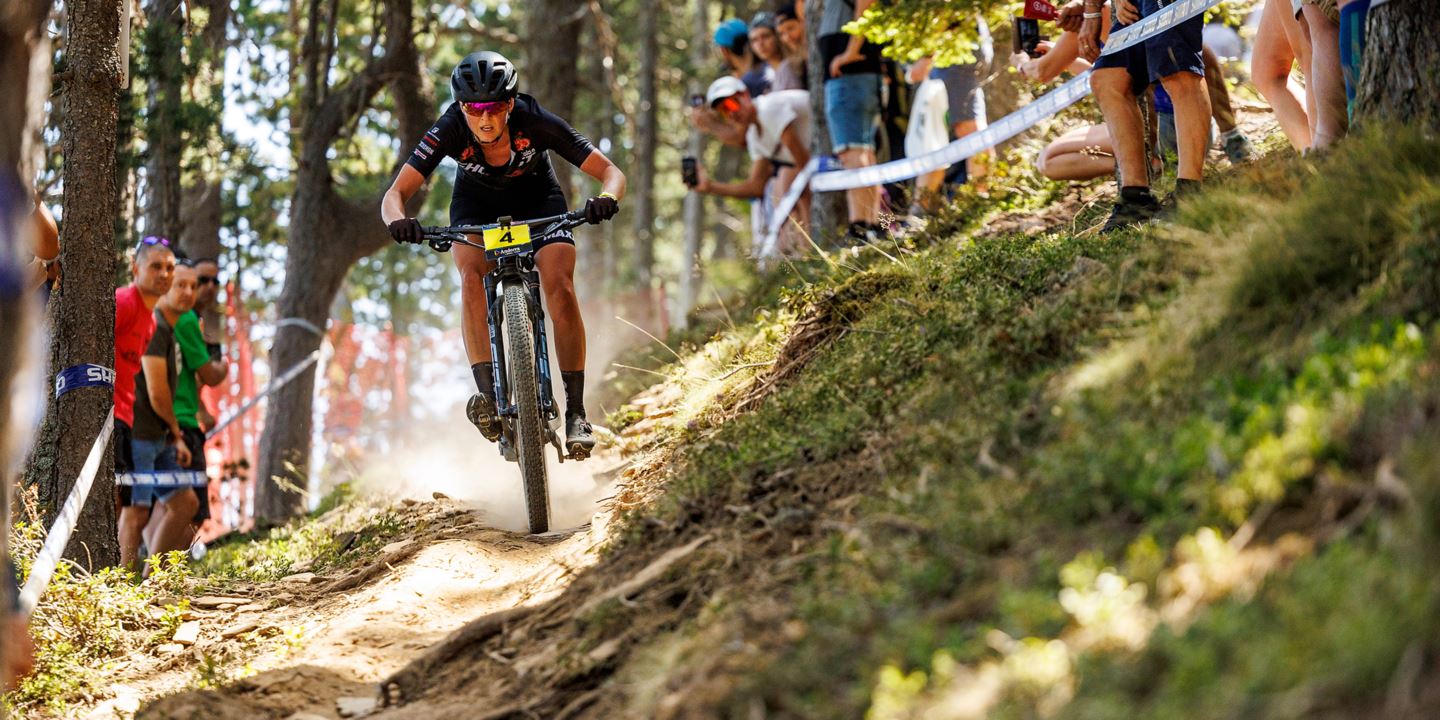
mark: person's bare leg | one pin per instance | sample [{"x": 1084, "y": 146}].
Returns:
[
  {"x": 474, "y": 328},
  {"x": 130, "y": 529},
  {"x": 172, "y": 531},
  {"x": 1270, "y": 66},
  {"x": 978, "y": 165},
  {"x": 1299, "y": 36},
  {"x": 1192, "y": 122},
  {"x": 557, "y": 279},
  {"x": 864, "y": 203},
  {"x": 1083, "y": 153},
  {"x": 157, "y": 515},
  {"x": 1326, "y": 79},
  {"x": 1122, "y": 116}
]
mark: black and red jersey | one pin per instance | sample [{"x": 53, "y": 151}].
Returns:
[{"x": 533, "y": 130}]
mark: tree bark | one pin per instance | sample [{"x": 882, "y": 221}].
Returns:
[
  {"x": 1400, "y": 80},
  {"x": 550, "y": 72},
  {"x": 165, "y": 129},
  {"x": 827, "y": 210},
  {"x": 694, "y": 210},
  {"x": 329, "y": 233},
  {"x": 20, "y": 41},
  {"x": 82, "y": 310},
  {"x": 645, "y": 143}
]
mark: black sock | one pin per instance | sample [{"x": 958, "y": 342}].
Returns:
[
  {"x": 484, "y": 373},
  {"x": 574, "y": 381},
  {"x": 1136, "y": 194}
]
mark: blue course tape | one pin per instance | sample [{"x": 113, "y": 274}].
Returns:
[
  {"x": 182, "y": 478},
  {"x": 83, "y": 376}
]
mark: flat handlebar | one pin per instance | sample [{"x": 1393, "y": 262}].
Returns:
[{"x": 440, "y": 237}]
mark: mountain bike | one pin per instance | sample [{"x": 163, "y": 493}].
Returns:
[{"x": 523, "y": 398}]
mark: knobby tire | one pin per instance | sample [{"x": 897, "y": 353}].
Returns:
[{"x": 524, "y": 386}]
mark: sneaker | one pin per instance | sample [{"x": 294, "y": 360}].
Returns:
[
  {"x": 481, "y": 412},
  {"x": 579, "y": 436},
  {"x": 1238, "y": 148},
  {"x": 1132, "y": 211}
]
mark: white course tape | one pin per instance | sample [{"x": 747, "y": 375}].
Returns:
[
  {"x": 274, "y": 385},
  {"x": 59, "y": 536},
  {"x": 180, "y": 478},
  {"x": 1008, "y": 127},
  {"x": 792, "y": 196}
]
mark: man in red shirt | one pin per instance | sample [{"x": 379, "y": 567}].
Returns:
[{"x": 153, "y": 269}]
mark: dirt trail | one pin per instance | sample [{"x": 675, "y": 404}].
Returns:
[{"x": 335, "y": 637}]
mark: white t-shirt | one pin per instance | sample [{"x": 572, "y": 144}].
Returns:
[{"x": 774, "y": 112}]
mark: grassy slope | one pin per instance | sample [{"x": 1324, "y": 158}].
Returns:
[{"x": 1010, "y": 473}]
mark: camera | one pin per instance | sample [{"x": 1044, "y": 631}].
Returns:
[
  {"x": 687, "y": 171},
  {"x": 1027, "y": 36}
]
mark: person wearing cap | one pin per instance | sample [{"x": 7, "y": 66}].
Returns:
[
  {"x": 765, "y": 43},
  {"x": 733, "y": 40},
  {"x": 777, "y": 135}
]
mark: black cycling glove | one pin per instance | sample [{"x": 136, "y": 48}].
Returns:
[
  {"x": 601, "y": 208},
  {"x": 406, "y": 230}
]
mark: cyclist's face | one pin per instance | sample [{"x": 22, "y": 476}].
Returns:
[{"x": 487, "y": 120}]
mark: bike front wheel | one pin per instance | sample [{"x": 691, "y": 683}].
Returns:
[{"x": 525, "y": 392}]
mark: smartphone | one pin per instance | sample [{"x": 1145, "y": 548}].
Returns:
[
  {"x": 1027, "y": 36},
  {"x": 687, "y": 172},
  {"x": 697, "y": 101}
]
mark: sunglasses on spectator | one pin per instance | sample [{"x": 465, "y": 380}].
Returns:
[
  {"x": 483, "y": 108},
  {"x": 727, "y": 105},
  {"x": 152, "y": 240},
  {"x": 207, "y": 280}
]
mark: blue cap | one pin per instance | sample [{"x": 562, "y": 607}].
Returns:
[{"x": 729, "y": 31}]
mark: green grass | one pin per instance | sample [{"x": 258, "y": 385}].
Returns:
[{"x": 1047, "y": 435}]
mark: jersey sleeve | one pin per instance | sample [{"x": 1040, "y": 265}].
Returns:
[
  {"x": 557, "y": 135},
  {"x": 159, "y": 341},
  {"x": 437, "y": 142},
  {"x": 191, "y": 341}
]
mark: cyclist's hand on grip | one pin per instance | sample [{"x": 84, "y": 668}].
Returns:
[
  {"x": 601, "y": 208},
  {"x": 406, "y": 230}
]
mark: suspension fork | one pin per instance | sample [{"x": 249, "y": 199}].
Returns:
[
  {"x": 495, "y": 317},
  {"x": 542, "y": 347}
]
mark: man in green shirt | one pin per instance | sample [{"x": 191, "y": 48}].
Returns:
[{"x": 197, "y": 365}]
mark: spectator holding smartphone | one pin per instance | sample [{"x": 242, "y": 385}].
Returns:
[{"x": 777, "y": 136}]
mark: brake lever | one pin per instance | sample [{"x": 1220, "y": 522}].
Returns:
[{"x": 439, "y": 244}]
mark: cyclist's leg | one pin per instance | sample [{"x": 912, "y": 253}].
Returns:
[{"x": 556, "y": 261}]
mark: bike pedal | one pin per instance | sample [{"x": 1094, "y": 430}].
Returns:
[{"x": 578, "y": 452}]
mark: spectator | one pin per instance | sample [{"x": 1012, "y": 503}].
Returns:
[
  {"x": 790, "y": 26},
  {"x": 1279, "y": 44},
  {"x": 733, "y": 39},
  {"x": 46, "y": 265},
  {"x": 197, "y": 365},
  {"x": 1324, "y": 78},
  {"x": 852, "y": 99},
  {"x": 777, "y": 134},
  {"x": 966, "y": 100},
  {"x": 1173, "y": 58},
  {"x": 17, "y": 652},
  {"x": 765, "y": 43},
  {"x": 153, "y": 270},
  {"x": 1233, "y": 141},
  {"x": 158, "y": 443}
]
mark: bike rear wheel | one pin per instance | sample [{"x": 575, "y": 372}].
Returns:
[{"x": 525, "y": 392}]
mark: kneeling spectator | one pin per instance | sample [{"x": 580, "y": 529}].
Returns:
[{"x": 777, "y": 135}]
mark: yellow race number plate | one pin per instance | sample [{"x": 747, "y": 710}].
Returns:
[{"x": 506, "y": 238}]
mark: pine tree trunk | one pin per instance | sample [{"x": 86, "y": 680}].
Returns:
[
  {"x": 694, "y": 202},
  {"x": 328, "y": 234},
  {"x": 164, "y": 126},
  {"x": 550, "y": 72},
  {"x": 82, "y": 311},
  {"x": 827, "y": 210},
  {"x": 643, "y": 170},
  {"x": 1400, "y": 80}
]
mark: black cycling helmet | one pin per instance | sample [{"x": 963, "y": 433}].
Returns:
[{"x": 484, "y": 76}]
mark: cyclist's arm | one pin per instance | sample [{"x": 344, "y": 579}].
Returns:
[
  {"x": 752, "y": 187},
  {"x": 406, "y": 184},
  {"x": 612, "y": 180}
]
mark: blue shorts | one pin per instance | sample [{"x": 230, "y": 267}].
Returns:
[
  {"x": 1174, "y": 51},
  {"x": 153, "y": 456},
  {"x": 851, "y": 104}
]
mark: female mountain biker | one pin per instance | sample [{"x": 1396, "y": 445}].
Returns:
[{"x": 499, "y": 138}]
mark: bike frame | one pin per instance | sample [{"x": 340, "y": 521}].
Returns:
[{"x": 510, "y": 268}]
